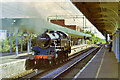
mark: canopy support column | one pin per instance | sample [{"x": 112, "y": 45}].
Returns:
[
  {"x": 21, "y": 43},
  {"x": 16, "y": 42},
  {"x": 10, "y": 44}
]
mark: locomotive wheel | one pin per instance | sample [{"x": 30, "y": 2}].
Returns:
[
  {"x": 51, "y": 62},
  {"x": 63, "y": 58},
  {"x": 66, "y": 57},
  {"x": 57, "y": 61}
]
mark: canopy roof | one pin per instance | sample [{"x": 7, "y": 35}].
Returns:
[{"x": 104, "y": 15}]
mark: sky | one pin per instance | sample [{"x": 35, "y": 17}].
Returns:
[{"x": 57, "y": 8}]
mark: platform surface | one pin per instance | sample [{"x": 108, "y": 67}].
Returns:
[
  {"x": 7, "y": 57},
  {"x": 104, "y": 65}
]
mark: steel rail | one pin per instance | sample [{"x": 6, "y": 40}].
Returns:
[{"x": 57, "y": 72}]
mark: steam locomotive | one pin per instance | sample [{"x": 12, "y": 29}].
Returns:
[{"x": 52, "y": 47}]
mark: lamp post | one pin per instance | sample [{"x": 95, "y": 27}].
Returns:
[
  {"x": 30, "y": 41},
  {"x": 16, "y": 42},
  {"x": 21, "y": 43},
  {"x": 10, "y": 36},
  {"x": 84, "y": 22},
  {"x": 16, "y": 31},
  {"x": 28, "y": 37}
]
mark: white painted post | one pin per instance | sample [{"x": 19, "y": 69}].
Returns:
[
  {"x": 16, "y": 42},
  {"x": 10, "y": 44},
  {"x": 83, "y": 22},
  {"x": 28, "y": 45},
  {"x": 21, "y": 43},
  {"x": 119, "y": 34},
  {"x": 118, "y": 46},
  {"x": 113, "y": 44},
  {"x": 30, "y": 40}
]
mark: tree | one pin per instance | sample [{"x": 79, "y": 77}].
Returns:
[
  {"x": 95, "y": 39},
  {"x": 5, "y": 44}
]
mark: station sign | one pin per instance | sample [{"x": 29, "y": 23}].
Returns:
[
  {"x": 3, "y": 35},
  {"x": 28, "y": 37},
  {"x": 116, "y": 35}
]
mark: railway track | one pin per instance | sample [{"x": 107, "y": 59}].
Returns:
[
  {"x": 58, "y": 70},
  {"x": 61, "y": 70},
  {"x": 76, "y": 68}
]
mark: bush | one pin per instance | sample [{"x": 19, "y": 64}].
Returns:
[
  {"x": 5, "y": 44},
  {"x": 95, "y": 39},
  {"x": 5, "y": 47}
]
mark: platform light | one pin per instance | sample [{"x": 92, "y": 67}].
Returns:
[{"x": 14, "y": 21}]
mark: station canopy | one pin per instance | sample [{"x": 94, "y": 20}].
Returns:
[{"x": 105, "y": 16}]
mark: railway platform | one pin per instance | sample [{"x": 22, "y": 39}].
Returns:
[
  {"x": 12, "y": 65},
  {"x": 7, "y": 57},
  {"x": 103, "y": 65}
]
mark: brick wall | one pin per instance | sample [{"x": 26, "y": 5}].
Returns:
[
  {"x": 61, "y": 22},
  {"x": 58, "y": 22}
]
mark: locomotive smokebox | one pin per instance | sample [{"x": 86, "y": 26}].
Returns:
[{"x": 44, "y": 40}]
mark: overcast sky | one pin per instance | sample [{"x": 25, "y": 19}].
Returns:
[{"x": 59, "y": 7}]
